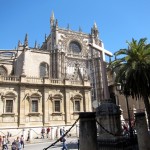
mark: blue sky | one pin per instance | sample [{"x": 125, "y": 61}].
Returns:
[{"x": 117, "y": 20}]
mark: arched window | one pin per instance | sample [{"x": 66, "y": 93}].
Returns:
[
  {"x": 3, "y": 71},
  {"x": 44, "y": 69},
  {"x": 75, "y": 47}
]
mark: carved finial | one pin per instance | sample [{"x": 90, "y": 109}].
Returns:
[
  {"x": 19, "y": 43},
  {"x": 26, "y": 40}
]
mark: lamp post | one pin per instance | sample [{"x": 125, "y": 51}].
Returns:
[{"x": 119, "y": 88}]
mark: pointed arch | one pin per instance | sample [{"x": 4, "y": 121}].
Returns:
[{"x": 75, "y": 46}]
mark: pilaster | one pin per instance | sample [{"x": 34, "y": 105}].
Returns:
[
  {"x": 45, "y": 107},
  {"x": 22, "y": 106},
  {"x": 67, "y": 107}
]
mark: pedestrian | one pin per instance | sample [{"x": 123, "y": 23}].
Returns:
[
  {"x": 125, "y": 129},
  {"x": 18, "y": 144},
  {"x": 62, "y": 131},
  {"x": 64, "y": 144},
  {"x": 28, "y": 138},
  {"x": 4, "y": 143},
  {"x": 13, "y": 146},
  {"x": 8, "y": 135},
  {"x": 42, "y": 132},
  {"x": 22, "y": 141},
  {"x": 48, "y": 131}
]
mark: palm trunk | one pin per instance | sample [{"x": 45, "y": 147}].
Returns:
[{"x": 147, "y": 106}]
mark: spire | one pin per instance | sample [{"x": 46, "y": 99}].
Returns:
[
  {"x": 35, "y": 45},
  {"x": 95, "y": 25},
  {"x": 94, "y": 30},
  {"x": 52, "y": 19},
  {"x": 56, "y": 23},
  {"x": 45, "y": 37},
  {"x": 19, "y": 43},
  {"x": 38, "y": 46},
  {"x": 52, "y": 16},
  {"x": 80, "y": 30},
  {"x": 68, "y": 26},
  {"x": 26, "y": 40}
]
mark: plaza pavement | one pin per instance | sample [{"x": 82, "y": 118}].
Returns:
[{"x": 40, "y": 144}]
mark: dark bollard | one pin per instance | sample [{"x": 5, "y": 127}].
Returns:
[
  {"x": 78, "y": 144},
  {"x": 88, "y": 131},
  {"x": 142, "y": 131}
]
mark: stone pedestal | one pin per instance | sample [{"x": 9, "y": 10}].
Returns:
[
  {"x": 88, "y": 131},
  {"x": 142, "y": 131},
  {"x": 108, "y": 115}
]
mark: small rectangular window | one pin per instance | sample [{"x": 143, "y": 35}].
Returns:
[
  {"x": 57, "y": 106},
  {"x": 34, "y": 106},
  {"x": 9, "y": 106},
  {"x": 77, "y": 105}
]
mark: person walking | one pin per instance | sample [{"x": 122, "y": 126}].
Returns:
[
  {"x": 42, "y": 132},
  {"x": 18, "y": 144},
  {"x": 22, "y": 141},
  {"x": 13, "y": 146},
  {"x": 62, "y": 131},
  {"x": 64, "y": 144},
  {"x": 28, "y": 138},
  {"x": 4, "y": 143},
  {"x": 48, "y": 131}
]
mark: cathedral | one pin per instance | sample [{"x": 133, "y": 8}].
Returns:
[{"x": 49, "y": 85}]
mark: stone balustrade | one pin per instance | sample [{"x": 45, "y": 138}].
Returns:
[
  {"x": 36, "y": 80},
  {"x": 9, "y": 79}
]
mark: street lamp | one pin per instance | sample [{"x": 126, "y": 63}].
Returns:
[{"x": 119, "y": 88}]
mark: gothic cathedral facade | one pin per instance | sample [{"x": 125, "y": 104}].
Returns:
[{"x": 49, "y": 85}]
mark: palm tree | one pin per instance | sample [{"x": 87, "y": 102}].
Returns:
[{"x": 133, "y": 71}]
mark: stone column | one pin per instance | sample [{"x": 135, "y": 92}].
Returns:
[
  {"x": 142, "y": 131},
  {"x": 88, "y": 131}
]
